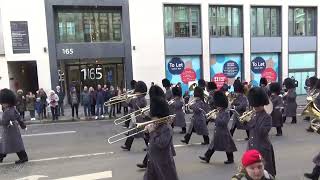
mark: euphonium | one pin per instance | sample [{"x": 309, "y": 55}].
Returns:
[
  {"x": 246, "y": 116},
  {"x": 311, "y": 110}
]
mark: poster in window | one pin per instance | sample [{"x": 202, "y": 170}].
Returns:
[
  {"x": 20, "y": 37},
  {"x": 183, "y": 69},
  {"x": 264, "y": 65},
  {"x": 225, "y": 68}
]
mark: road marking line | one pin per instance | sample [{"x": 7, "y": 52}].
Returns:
[
  {"x": 47, "y": 134},
  {"x": 184, "y": 145},
  {"x": 65, "y": 157},
  {"x": 93, "y": 176}
]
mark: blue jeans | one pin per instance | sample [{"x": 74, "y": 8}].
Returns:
[
  {"x": 99, "y": 107},
  {"x": 86, "y": 109}
]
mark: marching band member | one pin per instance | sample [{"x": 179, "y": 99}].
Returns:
[
  {"x": 240, "y": 104},
  {"x": 176, "y": 107},
  {"x": 289, "y": 98},
  {"x": 126, "y": 105},
  {"x": 161, "y": 165},
  {"x": 198, "y": 120},
  {"x": 275, "y": 89},
  {"x": 167, "y": 85},
  {"x": 222, "y": 140},
  {"x": 312, "y": 90},
  {"x": 211, "y": 87},
  {"x": 136, "y": 104},
  {"x": 252, "y": 167},
  {"x": 202, "y": 83},
  {"x": 264, "y": 85},
  {"x": 259, "y": 127},
  {"x": 316, "y": 170}
]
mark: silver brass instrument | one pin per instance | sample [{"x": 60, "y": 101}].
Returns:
[
  {"x": 122, "y": 98},
  {"x": 129, "y": 116},
  {"x": 212, "y": 114},
  {"x": 247, "y": 115},
  {"x": 312, "y": 95},
  {"x": 140, "y": 128}
]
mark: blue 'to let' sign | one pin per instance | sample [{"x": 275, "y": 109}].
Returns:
[
  {"x": 231, "y": 69},
  {"x": 176, "y": 65},
  {"x": 258, "y": 65}
]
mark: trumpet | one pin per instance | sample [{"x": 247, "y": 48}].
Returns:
[
  {"x": 132, "y": 115},
  {"x": 122, "y": 98},
  {"x": 212, "y": 114},
  {"x": 192, "y": 102},
  {"x": 246, "y": 116},
  {"x": 140, "y": 128}
]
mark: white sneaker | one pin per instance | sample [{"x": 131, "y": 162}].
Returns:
[
  {"x": 96, "y": 118},
  {"x": 33, "y": 119},
  {"x": 102, "y": 116}
]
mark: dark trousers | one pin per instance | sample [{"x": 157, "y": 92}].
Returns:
[
  {"x": 60, "y": 109},
  {"x": 93, "y": 110},
  {"x": 129, "y": 141},
  {"x": 54, "y": 113},
  {"x": 22, "y": 114},
  {"x": 210, "y": 152},
  {"x": 86, "y": 109},
  {"x": 232, "y": 130},
  {"x": 75, "y": 107},
  {"x": 294, "y": 119},
  {"x": 127, "y": 123},
  {"x": 145, "y": 160},
  {"x": 118, "y": 108},
  {"x": 22, "y": 155},
  {"x": 112, "y": 111},
  {"x": 44, "y": 111},
  {"x": 279, "y": 130},
  {"x": 125, "y": 110},
  {"x": 32, "y": 113},
  {"x": 188, "y": 136}
]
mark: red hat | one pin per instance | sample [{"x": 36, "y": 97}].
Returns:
[{"x": 251, "y": 157}]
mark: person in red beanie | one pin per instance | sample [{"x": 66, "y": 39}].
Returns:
[{"x": 252, "y": 167}]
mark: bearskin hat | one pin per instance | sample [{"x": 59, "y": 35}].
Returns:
[
  {"x": 140, "y": 87},
  {"x": 133, "y": 84},
  {"x": 176, "y": 91},
  {"x": 263, "y": 81},
  {"x": 238, "y": 88},
  {"x": 198, "y": 92},
  {"x": 313, "y": 81},
  {"x": 156, "y": 91},
  {"x": 159, "y": 107},
  {"x": 202, "y": 83},
  {"x": 211, "y": 86},
  {"x": 166, "y": 83},
  {"x": 220, "y": 99},
  {"x": 289, "y": 83},
  {"x": 257, "y": 97},
  {"x": 275, "y": 87},
  {"x": 7, "y": 97},
  {"x": 317, "y": 86}
]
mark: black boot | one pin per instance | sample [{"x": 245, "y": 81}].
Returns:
[
  {"x": 207, "y": 155},
  {"x": 230, "y": 158},
  {"x": 184, "y": 130},
  {"x": 186, "y": 138},
  {"x": 294, "y": 120},
  {"x": 232, "y": 131},
  {"x": 279, "y": 131},
  {"x": 248, "y": 135},
  {"x": 205, "y": 140},
  {"x": 315, "y": 173},
  {"x": 144, "y": 163},
  {"x": 23, "y": 157},
  {"x": 309, "y": 129}
]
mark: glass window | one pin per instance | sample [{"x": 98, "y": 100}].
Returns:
[
  {"x": 225, "y": 21},
  {"x": 182, "y": 21},
  {"x": 265, "y": 21},
  {"x": 88, "y": 25},
  {"x": 302, "y": 21}
]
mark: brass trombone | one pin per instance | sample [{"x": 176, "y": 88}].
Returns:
[
  {"x": 122, "y": 98},
  {"x": 140, "y": 128},
  {"x": 134, "y": 114}
]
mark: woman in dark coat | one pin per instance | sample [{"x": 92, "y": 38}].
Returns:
[
  {"x": 43, "y": 100},
  {"x": 222, "y": 139},
  {"x": 21, "y": 103},
  {"x": 198, "y": 120},
  {"x": 275, "y": 89},
  {"x": 11, "y": 141},
  {"x": 316, "y": 170},
  {"x": 290, "y": 102},
  {"x": 240, "y": 104},
  {"x": 161, "y": 165},
  {"x": 176, "y": 108},
  {"x": 259, "y": 127}
]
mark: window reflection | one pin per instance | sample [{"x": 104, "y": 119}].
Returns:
[{"x": 302, "y": 21}]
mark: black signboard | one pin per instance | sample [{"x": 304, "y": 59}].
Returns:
[{"x": 20, "y": 37}]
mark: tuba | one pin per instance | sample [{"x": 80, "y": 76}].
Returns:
[{"x": 312, "y": 111}]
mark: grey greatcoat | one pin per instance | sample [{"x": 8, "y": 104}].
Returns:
[
  {"x": 240, "y": 105},
  {"x": 168, "y": 94},
  {"x": 11, "y": 141},
  {"x": 176, "y": 107},
  {"x": 135, "y": 104},
  {"x": 290, "y": 102},
  {"x": 222, "y": 139},
  {"x": 276, "y": 113},
  {"x": 316, "y": 159},
  {"x": 161, "y": 165},
  {"x": 198, "y": 119},
  {"x": 210, "y": 100},
  {"x": 259, "y": 126}
]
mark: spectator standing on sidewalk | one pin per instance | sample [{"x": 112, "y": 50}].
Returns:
[
  {"x": 85, "y": 101},
  {"x": 21, "y": 103},
  {"x": 99, "y": 102},
  {"x": 105, "y": 93},
  {"x": 74, "y": 101},
  {"x": 39, "y": 108},
  {"x": 43, "y": 100},
  {"x": 92, "y": 101},
  {"x": 53, "y": 100},
  {"x": 30, "y": 105},
  {"x": 112, "y": 111},
  {"x": 61, "y": 95}
]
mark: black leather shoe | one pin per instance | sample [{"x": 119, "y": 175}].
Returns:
[
  {"x": 1, "y": 160},
  {"x": 204, "y": 159},
  {"x": 204, "y": 143},
  {"x": 125, "y": 148},
  {"x": 21, "y": 161},
  {"x": 229, "y": 162},
  {"x": 142, "y": 166},
  {"x": 309, "y": 129},
  {"x": 184, "y": 141},
  {"x": 278, "y": 134},
  {"x": 309, "y": 176},
  {"x": 246, "y": 139}
]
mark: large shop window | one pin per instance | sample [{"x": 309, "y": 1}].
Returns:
[
  {"x": 264, "y": 65},
  {"x": 183, "y": 69},
  {"x": 302, "y": 66},
  {"x": 88, "y": 26},
  {"x": 182, "y": 21},
  {"x": 225, "y": 21},
  {"x": 265, "y": 21},
  {"x": 302, "y": 21},
  {"x": 225, "y": 68}
]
